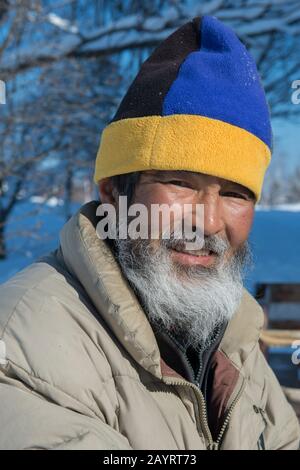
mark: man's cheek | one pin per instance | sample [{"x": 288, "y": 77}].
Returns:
[{"x": 238, "y": 228}]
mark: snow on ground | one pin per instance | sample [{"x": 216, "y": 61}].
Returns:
[{"x": 280, "y": 207}]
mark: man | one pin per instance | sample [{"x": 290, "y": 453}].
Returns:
[{"x": 150, "y": 343}]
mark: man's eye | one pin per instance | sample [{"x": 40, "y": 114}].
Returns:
[{"x": 234, "y": 194}]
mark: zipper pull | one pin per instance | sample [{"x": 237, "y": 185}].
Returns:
[
  {"x": 260, "y": 411},
  {"x": 213, "y": 446}
]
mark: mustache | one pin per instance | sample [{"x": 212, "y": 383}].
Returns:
[{"x": 213, "y": 243}]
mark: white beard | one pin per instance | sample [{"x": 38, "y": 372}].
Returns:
[{"x": 192, "y": 300}]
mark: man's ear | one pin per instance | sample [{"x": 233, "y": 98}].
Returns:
[{"x": 107, "y": 192}]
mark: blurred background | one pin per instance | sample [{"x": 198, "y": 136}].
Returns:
[{"x": 66, "y": 64}]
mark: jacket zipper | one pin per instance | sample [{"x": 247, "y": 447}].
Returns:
[
  {"x": 203, "y": 423},
  {"x": 200, "y": 369},
  {"x": 198, "y": 375}
]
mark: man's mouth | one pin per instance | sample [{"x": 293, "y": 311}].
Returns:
[
  {"x": 192, "y": 257},
  {"x": 201, "y": 252}
]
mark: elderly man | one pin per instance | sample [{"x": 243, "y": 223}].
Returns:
[{"x": 148, "y": 343}]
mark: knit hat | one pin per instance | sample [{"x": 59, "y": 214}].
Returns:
[{"x": 196, "y": 104}]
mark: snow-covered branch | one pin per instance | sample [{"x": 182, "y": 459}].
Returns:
[{"x": 137, "y": 31}]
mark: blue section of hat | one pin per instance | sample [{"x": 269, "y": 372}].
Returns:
[{"x": 221, "y": 81}]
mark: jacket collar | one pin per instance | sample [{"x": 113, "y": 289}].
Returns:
[{"x": 91, "y": 260}]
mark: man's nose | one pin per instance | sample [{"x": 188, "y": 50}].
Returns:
[{"x": 213, "y": 217}]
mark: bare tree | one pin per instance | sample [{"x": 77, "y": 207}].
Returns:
[
  {"x": 50, "y": 124},
  {"x": 271, "y": 29}
]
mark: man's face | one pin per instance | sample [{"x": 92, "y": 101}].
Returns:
[
  {"x": 228, "y": 207},
  {"x": 193, "y": 291}
]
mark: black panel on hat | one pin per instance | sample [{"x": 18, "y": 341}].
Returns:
[{"x": 147, "y": 92}]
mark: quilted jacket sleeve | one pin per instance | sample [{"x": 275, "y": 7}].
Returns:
[{"x": 28, "y": 421}]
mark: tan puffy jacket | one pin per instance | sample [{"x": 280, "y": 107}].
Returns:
[{"x": 80, "y": 367}]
